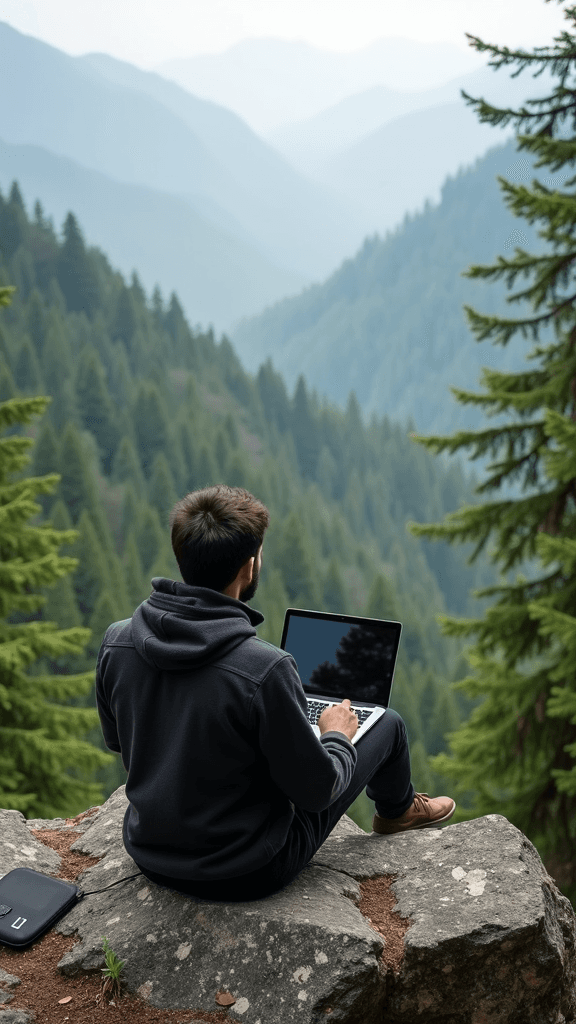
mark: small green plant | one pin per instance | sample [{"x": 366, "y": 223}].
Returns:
[{"x": 111, "y": 972}]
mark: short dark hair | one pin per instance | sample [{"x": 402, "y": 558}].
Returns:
[{"x": 214, "y": 532}]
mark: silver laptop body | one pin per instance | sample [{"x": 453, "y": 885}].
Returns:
[{"x": 343, "y": 656}]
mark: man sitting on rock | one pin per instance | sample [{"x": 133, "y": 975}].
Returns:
[{"x": 230, "y": 791}]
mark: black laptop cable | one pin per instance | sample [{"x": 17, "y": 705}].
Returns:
[
  {"x": 31, "y": 902},
  {"x": 92, "y": 891}
]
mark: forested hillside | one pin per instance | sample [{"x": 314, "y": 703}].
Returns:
[
  {"x": 217, "y": 276},
  {"x": 144, "y": 409},
  {"x": 390, "y": 322}
]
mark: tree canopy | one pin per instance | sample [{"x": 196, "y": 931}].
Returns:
[
  {"x": 45, "y": 763},
  {"x": 516, "y": 754}
]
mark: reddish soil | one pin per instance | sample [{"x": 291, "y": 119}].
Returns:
[{"x": 377, "y": 902}]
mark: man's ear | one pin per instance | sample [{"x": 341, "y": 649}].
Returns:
[{"x": 246, "y": 572}]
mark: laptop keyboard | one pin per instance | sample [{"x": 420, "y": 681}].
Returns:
[{"x": 316, "y": 707}]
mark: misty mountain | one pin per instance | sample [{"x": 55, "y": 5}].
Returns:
[
  {"x": 217, "y": 276},
  {"x": 390, "y": 324},
  {"x": 325, "y": 144},
  {"x": 394, "y": 170},
  {"x": 270, "y": 82},
  {"x": 98, "y": 113}
]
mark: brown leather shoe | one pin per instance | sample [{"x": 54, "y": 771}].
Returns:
[{"x": 423, "y": 813}]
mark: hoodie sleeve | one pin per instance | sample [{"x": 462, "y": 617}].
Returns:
[
  {"x": 311, "y": 772},
  {"x": 107, "y": 720}
]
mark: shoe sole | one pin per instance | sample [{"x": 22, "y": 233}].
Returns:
[{"x": 412, "y": 828}]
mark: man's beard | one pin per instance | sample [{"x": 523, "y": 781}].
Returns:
[{"x": 248, "y": 593}]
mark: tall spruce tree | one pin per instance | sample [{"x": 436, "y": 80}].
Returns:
[
  {"x": 44, "y": 762},
  {"x": 517, "y": 752},
  {"x": 76, "y": 274}
]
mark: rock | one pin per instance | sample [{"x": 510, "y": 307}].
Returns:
[
  {"x": 8, "y": 980},
  {"x": 20, "y": 849},
  {"x": 489, "y": 939},
  {"x": 16, "y": 1017}
]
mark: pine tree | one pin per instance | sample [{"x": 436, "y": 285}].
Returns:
[
  {"x": 126, "y": 467},
  {"x": 175, "y": 324},
  {"x": 77, "y": 486},
  {"x": 27, "y": 371},
  {"x": 137, "y": 290},
  {"x": 55, "y": 297},
  {"x": 46, "y": 459},
  {"x": 130, "y": 515},
  {"x": 57, "y": 360},
  {"x": 187, "y": 447},
  {"x": 89, "y": 578},
  {"x": 161, "y": 489},
  {"x": 231, "y": 432},
  {"x": 381, "y": 603},
  {"x": 517, "y": 752},
  {"x": 150, "y": 424},
  {"x": 7, "y": 385},
  {"x": 47, "y": 452},
  {"x": 76, "y": 274},
  {"x": 136, "y": 586},
  {"x": 274, "y": 397},
  {"x": 12, "y": 223},
  {"x": 61, "y": 605},
  {"x": 126, "y": 318},
  {"x": 157, "y": 308},
  {"x": 150, "y": 539},
  {"x": 327, "y": 471},
  {"x": 23, "y": 273},
  {"x": 295, "y": 561},
  {"x": 96, "y": 410},
  {"x": 120, "y": 377},
  {"x": 303, "y": 430},
  {"x": 43, "y": 762}
]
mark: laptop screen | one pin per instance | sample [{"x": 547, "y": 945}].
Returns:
[{"x": 342, "y": 655}]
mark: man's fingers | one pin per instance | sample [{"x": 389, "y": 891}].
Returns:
[{"x": 347, "y": 701}]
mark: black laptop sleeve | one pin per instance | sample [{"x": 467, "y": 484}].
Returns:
[{"x": 30, "y": 903}]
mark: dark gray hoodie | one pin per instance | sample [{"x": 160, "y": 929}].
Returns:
[{"x": 211, "y": 725}]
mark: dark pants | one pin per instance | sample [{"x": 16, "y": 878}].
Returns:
[{"x": 383, "y": 766}]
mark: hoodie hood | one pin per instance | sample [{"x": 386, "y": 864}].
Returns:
[{"x": 180, "y": 627}]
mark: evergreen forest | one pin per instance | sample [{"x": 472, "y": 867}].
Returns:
[
  {"x": 389, "y": 322},
  {"x": 142, "y": 408}
]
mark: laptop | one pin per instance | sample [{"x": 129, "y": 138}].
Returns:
[{"x": 343, "y": 656}]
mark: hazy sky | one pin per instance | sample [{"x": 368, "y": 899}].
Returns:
[{"x": 147, "y": 32}]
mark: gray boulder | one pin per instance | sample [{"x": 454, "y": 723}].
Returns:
[{"x": 460, "y": 925}]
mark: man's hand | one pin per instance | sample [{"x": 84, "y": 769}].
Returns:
[{"x": 339, "y": 718}]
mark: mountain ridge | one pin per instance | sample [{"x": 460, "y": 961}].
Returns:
[
  {"x": 66, "y": 105},
  {"x": 301, "y": 77},
  {"x": 310, "y": 143}
]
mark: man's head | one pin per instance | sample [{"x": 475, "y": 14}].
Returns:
[{"x": 215, "y": 532}]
